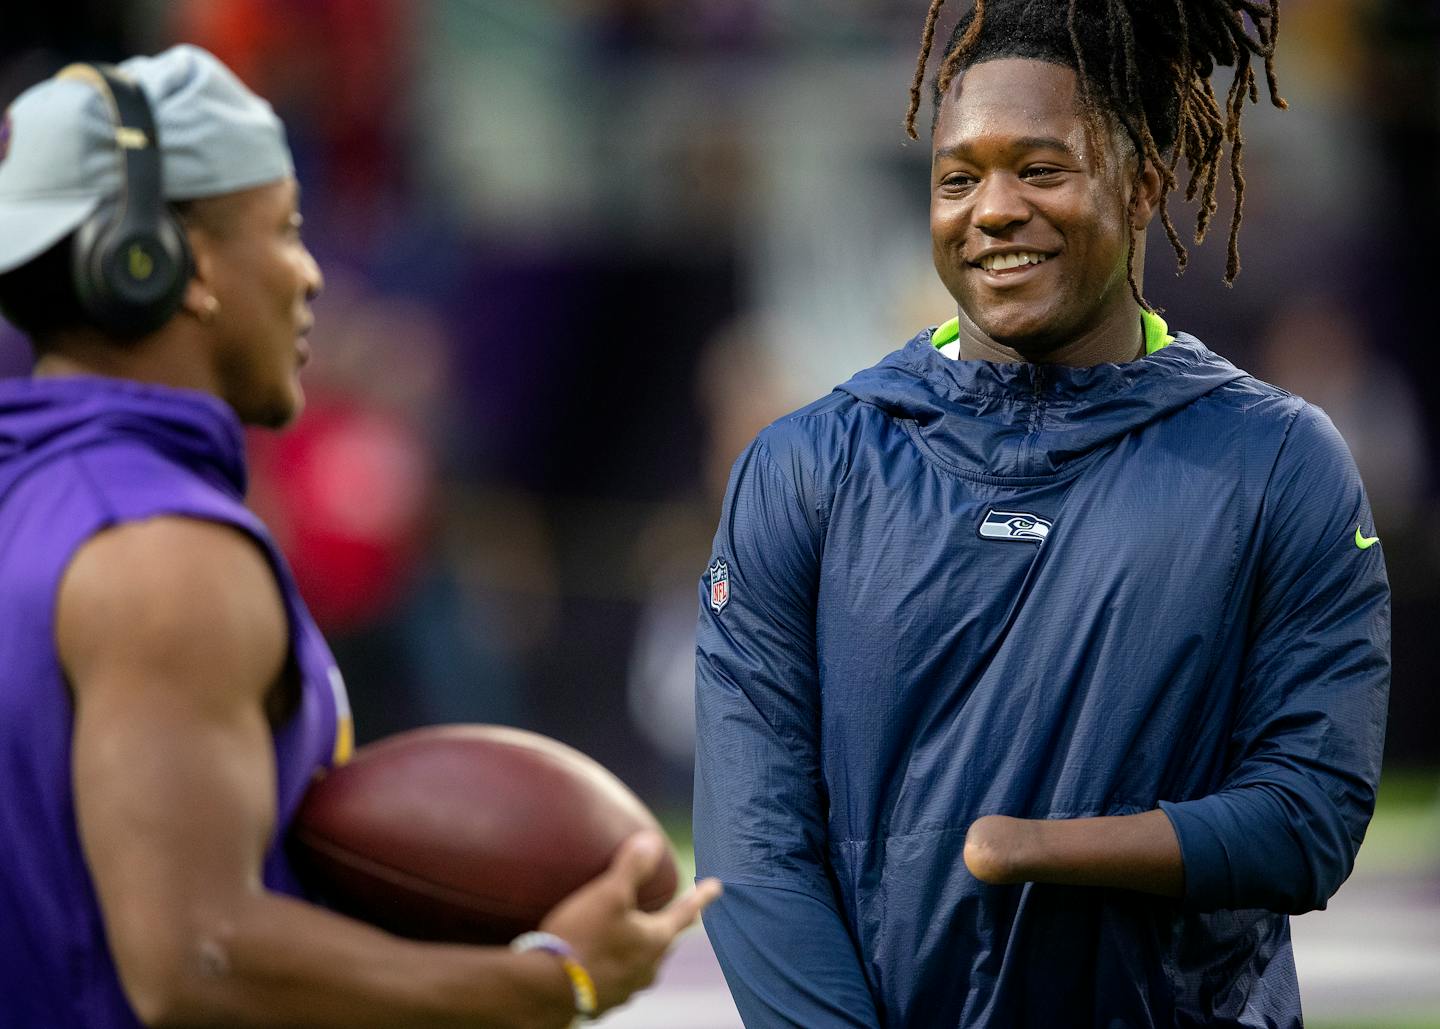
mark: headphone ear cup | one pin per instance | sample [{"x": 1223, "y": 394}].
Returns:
[
  {"x": 179, "y": 266},
  {"x": 130, "y": 280},
  {"x": 87, "y": 261}
]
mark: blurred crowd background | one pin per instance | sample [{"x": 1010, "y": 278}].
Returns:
[{"x": 579, "y": 251}]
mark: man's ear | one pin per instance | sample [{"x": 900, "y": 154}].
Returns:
[
  {"x": 1148, "y": 202},
  {"x": 199, "y": 298}
]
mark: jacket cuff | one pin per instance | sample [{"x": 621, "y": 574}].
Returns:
[{"x": 1208, "y": 885}]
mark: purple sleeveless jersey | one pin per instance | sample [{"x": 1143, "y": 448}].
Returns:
[{"x": 76, "y": 456}]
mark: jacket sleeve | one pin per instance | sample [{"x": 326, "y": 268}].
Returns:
[
  {"x": 1283, "y": 831},
  {"x": 760, "y": 805}
]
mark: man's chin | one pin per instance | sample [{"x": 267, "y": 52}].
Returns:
[
  {"x": 279, "y": 414},
  {"x": 290, "y": 415},
  {"x": 1026, "y": 331}
]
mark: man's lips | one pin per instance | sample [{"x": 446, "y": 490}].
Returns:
[
  {"x": 1001, "y": 277},
  {"x": 302, "y": 344},
  {"x": 1009, "y": 257},
  {"x": 1010, "y": 265}
]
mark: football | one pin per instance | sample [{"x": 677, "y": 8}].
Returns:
[{"x": 465, "y": 833}]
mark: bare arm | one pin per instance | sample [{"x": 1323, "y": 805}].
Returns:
[
  {"x": 172, "y": 633},
  {"x": 1132, "y": 852}
]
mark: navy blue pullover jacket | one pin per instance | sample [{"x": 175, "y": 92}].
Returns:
[{"x": 958, "y": 588}]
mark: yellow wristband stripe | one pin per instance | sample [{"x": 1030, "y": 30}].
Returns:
[{"x": 581, "y": 985}]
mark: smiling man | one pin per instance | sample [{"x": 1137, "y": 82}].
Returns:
[
  {"x": 1030, "y": 222},
  {"x": 1047, "y": 672}
]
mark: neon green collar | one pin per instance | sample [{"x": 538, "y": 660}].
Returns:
[{"x": 1157, "y": 333}]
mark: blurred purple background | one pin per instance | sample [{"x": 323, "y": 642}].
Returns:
[{"x": 579, "y": 251}]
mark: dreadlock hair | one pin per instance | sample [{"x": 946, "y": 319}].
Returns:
[{"x": 1145, "y": 64}]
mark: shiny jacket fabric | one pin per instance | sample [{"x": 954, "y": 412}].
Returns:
[{"x": 891, "y": 654}]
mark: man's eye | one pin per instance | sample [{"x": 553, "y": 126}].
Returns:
[
  {"x": 1039, "y": 172},
  {"x": 958, "y": 181}
]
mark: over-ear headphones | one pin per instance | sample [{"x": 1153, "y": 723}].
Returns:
[{"x": 131, "y": 262}]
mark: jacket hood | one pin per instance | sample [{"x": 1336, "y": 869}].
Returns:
[
  {"x": 1033, "y": 420},
  {"x": 43, "y": 419}
]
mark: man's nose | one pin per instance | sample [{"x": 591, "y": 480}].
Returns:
[
  {"x": 998, "y": 203},
  {"x": 314, "y": 277}
]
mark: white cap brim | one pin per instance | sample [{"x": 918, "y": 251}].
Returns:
[{"x": 29, "y": 229}]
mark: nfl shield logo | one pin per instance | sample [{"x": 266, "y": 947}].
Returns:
[{"x": 719, "y": 586}]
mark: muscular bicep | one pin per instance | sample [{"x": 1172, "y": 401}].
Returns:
[{"x": 172, "y": 633}]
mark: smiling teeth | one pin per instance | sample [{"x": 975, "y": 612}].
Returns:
[{"x": 1001, "y": 262}]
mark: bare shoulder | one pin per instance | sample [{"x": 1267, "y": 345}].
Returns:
[{"x": 172, "y": 599}]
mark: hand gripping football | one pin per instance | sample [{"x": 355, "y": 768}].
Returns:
[{"x": 466, "y": 833}]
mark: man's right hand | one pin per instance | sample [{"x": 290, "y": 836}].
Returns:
[
  {"x": 617, "y": 943},
  {"x": 173, "y": 635}
]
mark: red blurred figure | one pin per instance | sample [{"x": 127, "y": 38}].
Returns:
[{"x": 353, "y": 559}]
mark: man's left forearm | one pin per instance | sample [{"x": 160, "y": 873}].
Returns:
[{"x": 1133, "y": 852}]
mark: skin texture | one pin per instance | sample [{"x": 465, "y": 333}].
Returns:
[
  {"x": 1012, "y": 169},
  {"x": 249, "y": 249},
  {"x": 173, "y": 637},
  {"x": 1130, "y": 852}
]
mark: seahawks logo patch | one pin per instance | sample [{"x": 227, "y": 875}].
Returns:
[{"x": 1014, "y": 526}]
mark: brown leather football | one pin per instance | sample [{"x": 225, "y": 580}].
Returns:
[{"x": 466, "y": 833}]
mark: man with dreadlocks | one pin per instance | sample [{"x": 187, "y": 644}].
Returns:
[{"x": 1042, "y": 667}]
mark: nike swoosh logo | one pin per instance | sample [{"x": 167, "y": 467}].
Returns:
[{"x": 1365, "y": 542}]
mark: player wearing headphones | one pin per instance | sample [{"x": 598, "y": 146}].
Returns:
[{"x": 164, "y": 696}]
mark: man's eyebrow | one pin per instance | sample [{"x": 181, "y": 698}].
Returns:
[{"x": 1022, "y": 143}]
